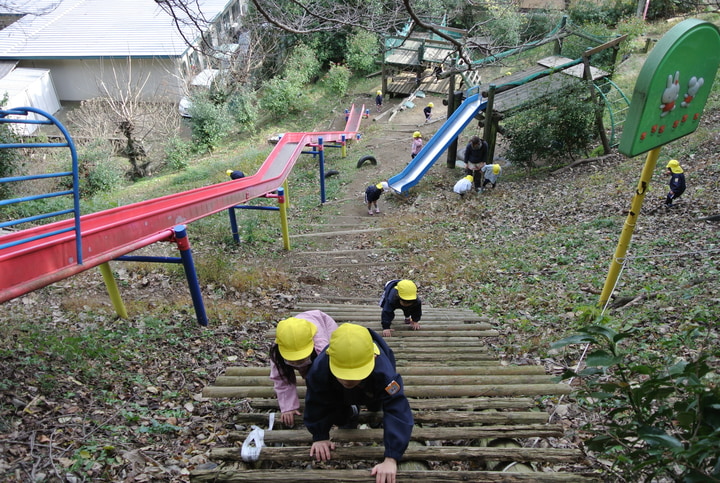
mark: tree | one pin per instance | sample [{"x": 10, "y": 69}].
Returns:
[{"x": 121, "y": 111}]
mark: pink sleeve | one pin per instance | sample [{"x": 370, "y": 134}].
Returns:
[
  {"x": 286, "y": 393},
  {"x": 326, "y": 326}
]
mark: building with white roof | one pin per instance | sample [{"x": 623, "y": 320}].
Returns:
[{"x": 110, "y": 47}]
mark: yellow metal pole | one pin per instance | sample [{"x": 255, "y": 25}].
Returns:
[
  {"x": 113, "y": 291},
  {"x": 629, "y": 227},
  {"x": 287, "y": 192},
  {"x": 343, "y": 149},
  {"x": 283, "y": 219}
]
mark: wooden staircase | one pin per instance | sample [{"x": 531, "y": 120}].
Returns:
[{"x": 475, "y": 418}]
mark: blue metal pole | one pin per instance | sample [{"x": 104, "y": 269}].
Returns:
[
  {"x": 187, "y": 260},
  {"x": 322, "y": 170},
  {"x": 234, "y": 225}
]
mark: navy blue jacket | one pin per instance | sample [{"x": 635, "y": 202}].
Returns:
[
  {"x": 372, "y": 193},
  {"x": 391, "y": 301},
  {"x": 327, "y": 401},
  {"x": 476, "y": 155},
  {"x": 677, "y": 183}
]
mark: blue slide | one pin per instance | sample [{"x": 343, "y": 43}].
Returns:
[{"x": 429, "y": 153}]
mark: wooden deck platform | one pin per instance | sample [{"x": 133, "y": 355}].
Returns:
[
  {"x": 405, "y": 83},
  {"x": 516, "y": 97},
  {"x": 468, "y": 408}
]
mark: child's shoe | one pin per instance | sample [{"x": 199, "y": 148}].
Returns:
[
  {"x": 370, "y": 212},
  {"x": 377, "y": 210}
]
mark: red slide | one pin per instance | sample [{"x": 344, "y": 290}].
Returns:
[{"x": 112, "y": 233}]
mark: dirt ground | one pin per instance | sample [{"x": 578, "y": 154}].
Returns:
[{"x": 388, "y": 135}]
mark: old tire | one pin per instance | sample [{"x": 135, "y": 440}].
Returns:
[{"x": 370, "y": 159}]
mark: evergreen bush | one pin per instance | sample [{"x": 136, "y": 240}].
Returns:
[
  {"x": 210, "y": 123},
  {"x": 243, "y": 108},
  {"x": 659, "y": 414},
  {"x": 562, "y": 127},
  {"x": 281, "y": 96},
  {"x": 303, "y": 66},
  {"x": 362, "y": 51},
  {"x": 337, "y": 79},
  {"x": 8, "y": 158}
]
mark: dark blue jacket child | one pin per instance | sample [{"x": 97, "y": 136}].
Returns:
[
  {"x": 677, "y": 181},
  {"x": 400, "y": 294},
  {"x": 357, "y": 368}
]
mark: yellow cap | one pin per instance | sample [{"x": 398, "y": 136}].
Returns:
[
  {"x": 496, "y": 168},
  {"x": 431, "y": 105},
  {"x": 352, "y": 352},
  {"x": 229, "y": 172},
  {"x": 469, "y": 177},
  {"x": 674, "y": 166},
  {"x": 379, "y": 92},
  {"x": 407, "y": 290},
  {"x": 294, "y": 338},
  {"x": 417, "y": 134}
]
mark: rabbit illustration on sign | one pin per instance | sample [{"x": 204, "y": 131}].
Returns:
[
  {"x": 694, "y": 86},
  {"x": 670, "y": 94}
]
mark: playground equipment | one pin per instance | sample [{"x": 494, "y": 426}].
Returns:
[
  {"x": 35, "y": 257},
  {"x": 432, "y": 150}
]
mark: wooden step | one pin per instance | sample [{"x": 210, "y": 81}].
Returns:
[{"x": 350, "y": 476}]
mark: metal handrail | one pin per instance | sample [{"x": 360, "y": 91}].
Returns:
[{"x": 22, "y": 117}]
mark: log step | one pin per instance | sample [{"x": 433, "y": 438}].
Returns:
[
  {"x": 418, "y": 371},
  {"x": 470, "y": 390},
  {"x": 351, "y": 476},
  {"x": 409, "y": 380},
  {"x": 455, "y": 404},
  {"x": 293, "y": 438},
  {"x": 455, "y": 418},
  {"x": 431, "y": 453}
]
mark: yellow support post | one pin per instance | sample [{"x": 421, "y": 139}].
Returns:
[
  {"x": 343, "y": 149},
  {"x": 629, "y": 227},
  {"x": 283, "y": 218},
  {"x": 113, "y": 291}
]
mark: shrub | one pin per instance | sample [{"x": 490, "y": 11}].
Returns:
[
  {"x": 563, "y": 126},
  {"x": 177, "y": 153},
  {"x": 210, "y": 123},
  {"x": 281, "y": 96},
  {"x": 243, "y": 108},
  {"x": 362, "y": 51},
  {"x": 303, "y": 65},
  {"x": 659, "y": 416},
  {"x": 96, "y": 171},
  {"x": 8, "y": 158},
  {"x": 337, "y": 79},
  {"x": 505, "y": 24},
  {"x": 607, "y": 13}
]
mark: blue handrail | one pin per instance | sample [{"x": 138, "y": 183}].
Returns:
[{"x": 22, "y": 117}]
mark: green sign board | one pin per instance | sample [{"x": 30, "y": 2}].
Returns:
[{"x": 673, "y": 87}]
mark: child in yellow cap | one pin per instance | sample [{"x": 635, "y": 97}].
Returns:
[
  {"x": 677, "y": 181},
  {"x": 428, "y": 111},
  {"x": 491, "y": 173},
  {"x": 464, "y": 185},
  {"x": 372, "y": 195},
  {"x": 400, "y": 294},
  {"x": 417, "y": 144},
  {"x": 298, "y": 341},
  {"x": 378, "y": 100},
  {"x": 357, "y": 368}
]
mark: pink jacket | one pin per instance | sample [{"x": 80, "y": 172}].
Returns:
[
  {"x": 416, "y": 145},
  {"x": 287, "y": 393}
]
